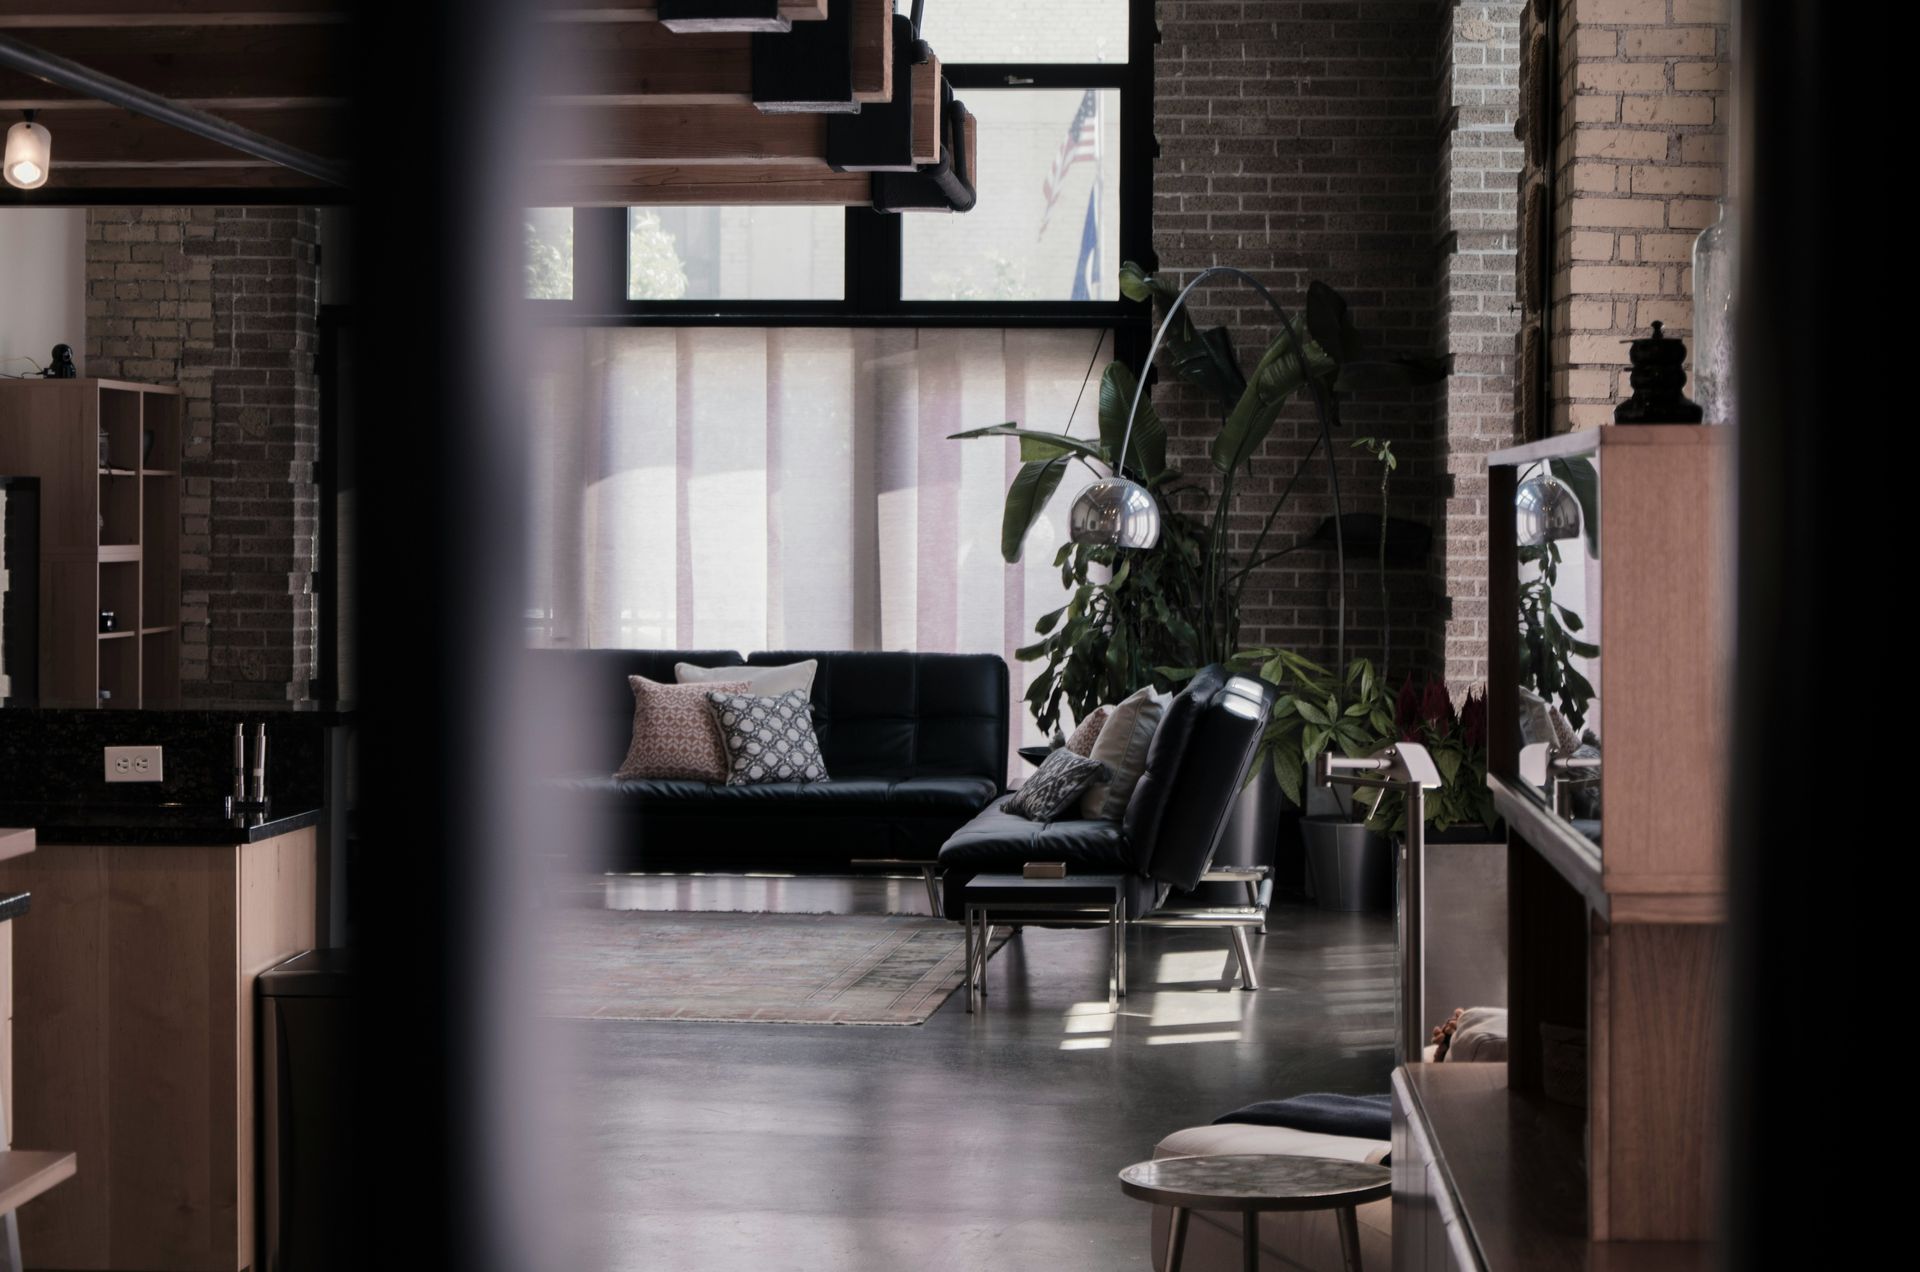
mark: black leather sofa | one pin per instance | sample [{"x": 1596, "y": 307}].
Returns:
[
  {"x": 1175, "y": 819},
  {"x": 915, "y": 745}
]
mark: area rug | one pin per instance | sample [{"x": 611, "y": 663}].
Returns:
[{"x": 792, "y": 969}]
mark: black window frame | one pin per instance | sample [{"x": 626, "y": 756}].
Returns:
[{"x": 873, "y": 240}]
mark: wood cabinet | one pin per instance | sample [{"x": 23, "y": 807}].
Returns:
[
  {"x": 1595, "y": 1145},
  {"x": 134, "y": 1042},
  {"x": 107, "y": 453}
]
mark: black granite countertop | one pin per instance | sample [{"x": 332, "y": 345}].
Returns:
[
  {"x": 14, "y": 904},
  {"x": 152, "y": 824}
]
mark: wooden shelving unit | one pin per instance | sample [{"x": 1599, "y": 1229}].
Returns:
[
  {"x": 1615, "y": 926},
  {"x": 110, "y": 534}
]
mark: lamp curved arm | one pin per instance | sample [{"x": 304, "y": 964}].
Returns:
[{"x": 1313, "y": 386}]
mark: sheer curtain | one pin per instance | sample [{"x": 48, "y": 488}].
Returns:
[{"x": 794, "y": 488}]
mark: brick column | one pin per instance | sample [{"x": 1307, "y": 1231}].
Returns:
[
  {"x": 224, "y": 302},
  {"x": 1297, "y": 142},
  {"x": 1480, "y": 160},
  {"x": 1639, "y": 162}
]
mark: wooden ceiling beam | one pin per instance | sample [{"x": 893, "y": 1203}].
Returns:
[
  {"x": 240, "y": 176},
  {"x": 679, "y": 135},
  {"x": 700, "y": 185},
  {"x": 32, "y": 14},
  {"x": 235, "y": 68},
  {"x": 649, "y": 11},
  {"x": 105, "y": 136}
]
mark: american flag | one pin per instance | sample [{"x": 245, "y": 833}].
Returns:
[{"x": 1082, "y": 143}]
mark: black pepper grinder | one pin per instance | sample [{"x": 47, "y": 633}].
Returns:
[{"x": 1657, "y": 377}]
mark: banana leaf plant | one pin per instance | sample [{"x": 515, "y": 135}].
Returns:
[{"x": 1182, "y": 598}]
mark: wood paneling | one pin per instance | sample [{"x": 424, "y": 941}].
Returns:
[
  {"x": 1664, "y": 660},
  {"x": 103, "y": 135},
  {"x": 1655, "y": 1054},
  {"x": 178, "y": 13},
  {"x": 134, "y": 1035},
  {"x": 682, "y": 135},
  {"x": 214, "y": 68},
  {"x": 618, "y": 186}
]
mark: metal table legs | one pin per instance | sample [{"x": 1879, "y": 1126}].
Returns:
[
  {"x": 979, "y": 923},
  {"x": 1349, "y": 1222},
  {"x": 1177, "y": 1239}
]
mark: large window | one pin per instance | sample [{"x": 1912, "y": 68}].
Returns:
[
  {"x": 791, "y": 488},
  {"x": 1062, "y": 97}
]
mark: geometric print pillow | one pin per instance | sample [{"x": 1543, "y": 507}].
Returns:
[
  {"x": 1055, "y": 786},
  {"x": 767, "y": 739},
  {"x": 673, "y": 733}
]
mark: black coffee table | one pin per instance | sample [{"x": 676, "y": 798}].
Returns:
[{"x": 1252, "y": 1184}]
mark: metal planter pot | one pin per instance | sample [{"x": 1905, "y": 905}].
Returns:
[{"x": 1348, "y": 866}]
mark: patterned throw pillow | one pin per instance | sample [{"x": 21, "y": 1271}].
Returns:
[
  {"x": 1081, "y": 743},
  {"x": 1055, "y": 786},
  {"x": 767, "y": 739},
  {"x": 674, "y": 735}
]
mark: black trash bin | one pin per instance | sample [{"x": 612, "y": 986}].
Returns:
[{"x": 308, "y": 1214}]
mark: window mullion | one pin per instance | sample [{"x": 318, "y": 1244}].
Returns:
[{"x": 600, "y": 259}]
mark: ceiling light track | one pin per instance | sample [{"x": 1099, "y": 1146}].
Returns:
[{"x": 65, "y": 73}]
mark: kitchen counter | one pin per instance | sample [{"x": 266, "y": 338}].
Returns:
[
  {"x": 14, "y": 904},
  {"x": 153, "y": 825}
]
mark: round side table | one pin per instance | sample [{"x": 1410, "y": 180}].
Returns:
[{"x": 1251, "y": 1184}]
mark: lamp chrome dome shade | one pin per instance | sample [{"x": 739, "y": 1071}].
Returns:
[
  {"x": 1115, "y": 512},
  {"x": 1545, "y": 510}
]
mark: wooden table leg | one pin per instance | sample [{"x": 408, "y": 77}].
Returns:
[
  {"x": 1250, "y": 1241},
  {"x": 1349, "y": 1223},
  {"x": 1177, "y": 1239}
]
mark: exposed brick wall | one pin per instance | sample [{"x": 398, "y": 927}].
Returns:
[
  {"x": 1480, "y": 159},
  {"x": 224, "y": 301},
  {"x": 1298, "y": 142},
  {"x": 1640, "y": 161}
]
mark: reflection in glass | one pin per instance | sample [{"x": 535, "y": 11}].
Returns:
[
  {"x": 1557, "y": 545},
  {"x": 1047, "y": 226}
]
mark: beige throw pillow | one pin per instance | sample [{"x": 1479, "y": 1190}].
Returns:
[
  {"x": 762, "y": 682},
  {"x": 1081, "y": 743},
  {"x": 674, "y": 734},
  {"x": 1122, "y": 747}
]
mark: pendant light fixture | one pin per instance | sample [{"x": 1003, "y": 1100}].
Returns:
[{"x": 29, "y": 154}]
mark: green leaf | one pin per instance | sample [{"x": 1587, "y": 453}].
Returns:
[
  {"x": 1148, "y": 449},
  {"x": 1313, "y": 714},
  {"x": 1578, "y": 475},
  {"x": 1447, "y": 760},
  {"x": 1027, "y": 498},
  {"x": 1056, "y": 444}
]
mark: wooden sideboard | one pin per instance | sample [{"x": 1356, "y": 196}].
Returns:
[
  {"x": 134, "y": 1041},
  {"x": 1596, "y": 1145}
]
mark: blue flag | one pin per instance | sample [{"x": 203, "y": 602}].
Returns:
[{"x": 1086, "y": 270}]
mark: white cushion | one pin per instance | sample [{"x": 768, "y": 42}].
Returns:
[
  {"x": 1244, "y": 1137},
  {"x": 1480, "y": 1037},
  {"x": 762, "y": 682},
  {"x": 1122, "y": 747}
]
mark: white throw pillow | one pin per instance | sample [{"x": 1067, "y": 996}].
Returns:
[
  {"x": 1480, "y": 1037},
  {"x": 1122, "y": 747},
  {"x": 762, "y": 682}
]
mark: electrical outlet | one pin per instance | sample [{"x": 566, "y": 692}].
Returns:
[{"x": 133, "y": 764}]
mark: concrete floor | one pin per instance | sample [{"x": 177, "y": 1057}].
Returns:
[{"x": 970, "y": 1142}]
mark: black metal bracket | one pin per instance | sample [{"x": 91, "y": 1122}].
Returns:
[
  {"x": 809, "y": 69},
  {"x": 880, "y": 137}
]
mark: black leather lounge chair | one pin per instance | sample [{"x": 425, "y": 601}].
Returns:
[{"x": 1162, "y": 847}]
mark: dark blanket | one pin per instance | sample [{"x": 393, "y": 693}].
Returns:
[{"x": 1361, "y": 1116}]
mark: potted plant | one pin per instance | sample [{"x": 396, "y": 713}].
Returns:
[{"x": 1136, "y": 618}]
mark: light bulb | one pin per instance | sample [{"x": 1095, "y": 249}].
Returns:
[{"x": 29, "y": 155}]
